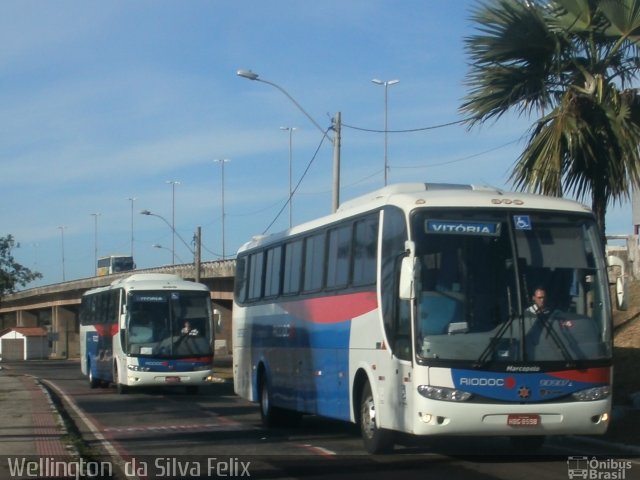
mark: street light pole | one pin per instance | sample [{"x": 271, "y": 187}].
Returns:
[
  {"x": 148, "y": 213},
  {"x": 248, "y": 74},
  {"x": 222, "y": 161},
  {"x": 386, "y": 84},
  {"x": 173, "y": 184},
  {"x": 95, "y": 241},
  {"x": 132, "y": 199},
  {"x": 290, "y": 130},
  {"x": 62, "y": 227}
]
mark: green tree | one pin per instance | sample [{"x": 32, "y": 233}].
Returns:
[
  {"x": 11, "y": 272},
  {"x": 571, "y": 64}
]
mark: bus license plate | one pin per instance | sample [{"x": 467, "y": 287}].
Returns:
[
  {"x": 172, "y": 379},
  {"x": 523, "y": 420}
]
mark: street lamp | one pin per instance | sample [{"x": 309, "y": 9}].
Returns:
[
  {"x": 95, "y": 240},
  {"x": 386, "y": 84},
  {"x": 290, "y": 130},
  {"x": 62, "y": 227},
  {"x": 173, "y": 184},
  {"x": 148, "y": 213},
  {"x": 195, "y": 253},
  {"x": 248, "y": 74},
  {"x": 155, "y": 245},
  {"x": 132, "y": 199},
  {"x": 222, "y": 161}
]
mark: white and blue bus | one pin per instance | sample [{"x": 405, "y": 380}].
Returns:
[
  {"x": 407, "y": 311},
  {"x": 147, "y": 330}
]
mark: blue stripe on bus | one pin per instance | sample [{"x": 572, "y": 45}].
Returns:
[{"x": 307, "y": 363}]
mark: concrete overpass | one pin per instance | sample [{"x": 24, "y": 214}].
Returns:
[{"x": 56, "y": 307}]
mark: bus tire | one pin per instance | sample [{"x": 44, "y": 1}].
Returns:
[
  {"x": 93, "y": 381},
  {"x": 376, "y": 440},
  {"x": 120, "y": 387},
  {"x": 271, "y": 416}
]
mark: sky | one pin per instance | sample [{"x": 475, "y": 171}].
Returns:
[{"x": 105, "y": 104}]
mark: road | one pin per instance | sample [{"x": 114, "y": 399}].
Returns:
[{"x": 163, "y": 433}]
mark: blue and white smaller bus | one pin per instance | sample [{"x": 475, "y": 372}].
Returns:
[{"x": 147, "y": 330}]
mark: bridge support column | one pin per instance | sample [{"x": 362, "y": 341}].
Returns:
[
  {"x": 65, "y": 337},
  {"x": 26, "y": 319}
]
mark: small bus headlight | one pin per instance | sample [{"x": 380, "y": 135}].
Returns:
[
  {"x": 590, "y": 394},
  {"x": 443, "y": 393},
  {"x": 138, "y": 368}
]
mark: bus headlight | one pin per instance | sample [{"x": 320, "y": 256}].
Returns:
[
  {"x": 138, "y": 368},
  {"x": 443, "y": 393},
  {"x": 590, "y": 394}
]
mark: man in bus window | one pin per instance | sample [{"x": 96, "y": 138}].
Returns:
[
  {"x": 188, "y": 330},
  {"x": 539, "y": 302}
]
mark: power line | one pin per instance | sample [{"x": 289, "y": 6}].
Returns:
[
  {"x": 306, "y": 170},
  {"x": 409, "y": 130},
  {"x": 461, "y": 159}
]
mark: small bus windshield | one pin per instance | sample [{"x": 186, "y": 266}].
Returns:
[{"x": 168, "y": 324}]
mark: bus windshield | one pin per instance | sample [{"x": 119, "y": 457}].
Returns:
[
  {"x": 168, "y": 324},
  {"x": 477, "y": 273},
  {"x": 122, "y": 264}
]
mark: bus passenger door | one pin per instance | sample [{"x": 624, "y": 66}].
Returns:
[
  {"x": 402, "y": 366},
  {"x": 396, "y": 382}
]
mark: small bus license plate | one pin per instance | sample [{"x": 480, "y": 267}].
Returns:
[
  {"x": 172, "y": 379},
  {"x": 523, "y": 420}
]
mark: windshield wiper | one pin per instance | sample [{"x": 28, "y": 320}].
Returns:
[
  {"x": 493, "y": 344},
  {"x": 556, "y": 339}
]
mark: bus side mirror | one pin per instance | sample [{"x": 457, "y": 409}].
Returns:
[
  {"x": 407, "y": 289},
  {"x": 123, "y": 321}
]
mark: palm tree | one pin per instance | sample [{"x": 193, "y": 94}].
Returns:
[{"x": 570, "y": 63}]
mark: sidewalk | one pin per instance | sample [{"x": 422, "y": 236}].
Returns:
[{"x": 30, "y": 425}]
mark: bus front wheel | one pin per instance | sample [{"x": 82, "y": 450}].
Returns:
[
  {"x": 93, "y": 381},
  {"x": 376, "y": 439},
  {"x": 121, "y": 388}
]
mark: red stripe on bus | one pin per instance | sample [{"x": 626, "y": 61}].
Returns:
[
  {"x": 333, "y": 309},
  {"x": 107, "y": 330},
  {"x": 587, "y": 375}
]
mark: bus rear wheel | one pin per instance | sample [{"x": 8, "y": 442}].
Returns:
[
  {"x": 376, "y": 439},
  {"x": 275, "y": 416},
  {"x": 268, "y": 413}
]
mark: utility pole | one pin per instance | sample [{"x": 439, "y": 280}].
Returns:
[
  {"x": 198, "y": 252},
  {"x": 336, "y": 161}
]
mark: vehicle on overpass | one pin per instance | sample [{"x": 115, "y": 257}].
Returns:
[
  {"x": 147, "y": 330},
  {"x": 114, "y": 264},
  {"x": 407, "y": 311}
]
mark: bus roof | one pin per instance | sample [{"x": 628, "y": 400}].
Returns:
[
  {"x": 152, "y": 281},
  {"x": 420, "y": 195}
]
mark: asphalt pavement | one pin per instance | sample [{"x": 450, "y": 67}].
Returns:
[{"x": 32, "y": 427}]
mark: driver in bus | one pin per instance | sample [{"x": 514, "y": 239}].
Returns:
[
  {"x": 539, "y": 303},
  {"x": 188, "y": 330}
]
